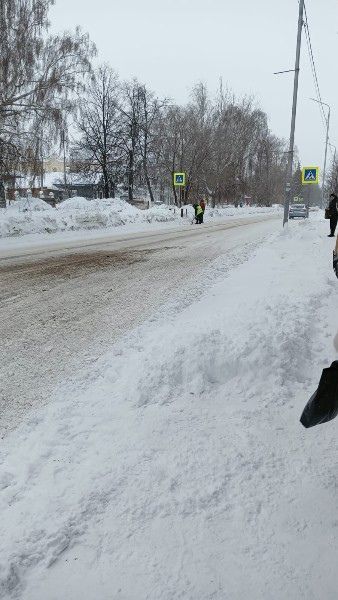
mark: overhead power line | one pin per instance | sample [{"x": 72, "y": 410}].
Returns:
[
  {"x": 313, "y": 67},
  {"x": 314, "y": 73}
]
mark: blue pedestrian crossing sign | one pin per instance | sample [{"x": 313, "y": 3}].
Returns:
[
  {"x": 310, "y": 175},
  {"x": 179, "y": 179}
]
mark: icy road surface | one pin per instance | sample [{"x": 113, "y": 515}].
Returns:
[{"x": 65, "y": 302}]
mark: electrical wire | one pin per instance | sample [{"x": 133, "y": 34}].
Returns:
[
  {"x": 313, "y": 67},
  {"x": 314, "y": 74}
]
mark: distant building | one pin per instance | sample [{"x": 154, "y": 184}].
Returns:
[
  {"x": 53, "y": 164},
  {"x": 54, "y": 184},
  {"x": 76, "y": 185}
]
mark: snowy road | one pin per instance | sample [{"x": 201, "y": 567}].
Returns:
[
  {"x": 176, "y": 468},
  {"x": 66, "y": 301}
]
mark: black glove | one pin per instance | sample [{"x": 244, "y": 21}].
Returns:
[{"x": 323, "y": 404}]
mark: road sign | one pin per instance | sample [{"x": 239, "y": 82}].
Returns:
[
  {"x": 179, "y": 179},
  {"x": 310, "y": 175}
]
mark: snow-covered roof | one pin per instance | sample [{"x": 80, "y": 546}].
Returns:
[{"x": 56, "y": 178}]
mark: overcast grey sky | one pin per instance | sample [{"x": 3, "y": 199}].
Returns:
[{"x": 172, "y": 44}]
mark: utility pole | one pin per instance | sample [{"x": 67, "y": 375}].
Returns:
[
  {"x": 293, "y": 117},
  {"x": 63, "y": 142}
]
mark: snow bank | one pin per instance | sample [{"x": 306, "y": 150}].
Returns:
[
  {"x": 74, "y": 214},
  {"x": 26, "y": 205},
  {"x": 183, "y": 471},
  {"x": 76, "y": 203},
  {"x": 36, "y": 216},
  {"x": 242, "y": 211}
]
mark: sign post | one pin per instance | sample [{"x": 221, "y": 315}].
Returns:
[{"x": 179, "y": 181}]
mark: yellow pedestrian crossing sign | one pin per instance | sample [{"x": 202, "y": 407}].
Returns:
[
  {"x": 310, "y": 175},
  {"x": 179, "y": 179}
]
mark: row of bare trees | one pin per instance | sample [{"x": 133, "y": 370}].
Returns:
[
  {"x": 119, "y": 131},
  {"x": 128, "y": 136},
  {"x": 122, "y": 134}
]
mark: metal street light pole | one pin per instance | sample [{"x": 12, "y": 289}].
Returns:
[
  {"x": 293, "y": 116},
  {"x": 326, "y": 144}
]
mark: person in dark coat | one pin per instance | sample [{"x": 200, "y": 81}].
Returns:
[
  {"x": 335, "y": 263},
  {"x": 333, "y": 214}
]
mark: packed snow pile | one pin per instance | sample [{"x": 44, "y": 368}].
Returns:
[
  {"x": 181, "y": 470},
  {"x": 36, "y": 216},
  {"x": 22, "y": 217},
  {"x": 77, "y": 203},
  {"x": 23, "y": 205}
]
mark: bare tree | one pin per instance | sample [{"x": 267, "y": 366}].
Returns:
[
  {"x": 184, "y": 143},
  {"x": 131, "y": 115},
  {"x": 332, "y": 180},
  {"x": 150, "y": 121},
  {"x": 98, "y": 150},
  {"x": 38, "y": 73}
]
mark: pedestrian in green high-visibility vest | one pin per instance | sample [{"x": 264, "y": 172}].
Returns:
[{"x": 198, "y": 214}]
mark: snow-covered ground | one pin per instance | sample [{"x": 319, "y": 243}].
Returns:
[
  {"x": 68, "y": 298},
  {"x": 180, "y": 469},
  {"x": 35, "y": 216}
]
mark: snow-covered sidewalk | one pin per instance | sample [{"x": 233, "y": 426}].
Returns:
[{"x": 181, "y": 470}]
